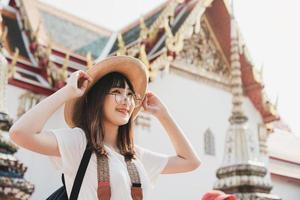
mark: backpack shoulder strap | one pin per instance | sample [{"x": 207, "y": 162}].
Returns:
[{"x": 80, "y": 173}]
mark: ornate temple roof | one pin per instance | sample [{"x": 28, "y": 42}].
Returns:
[
  {"x": 64, "y": 30},
  {"x": 74, "y": 37},
  {"x": 158, "y": 40},
  {"x": 131, "y": 33}
]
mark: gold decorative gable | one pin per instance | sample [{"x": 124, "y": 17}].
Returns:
[{"x": 202, "y": 51}]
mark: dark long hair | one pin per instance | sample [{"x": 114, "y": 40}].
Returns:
[{"x": 88, "y": 115}]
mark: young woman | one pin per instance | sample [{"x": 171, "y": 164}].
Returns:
[{"x": 100, "y": 106}]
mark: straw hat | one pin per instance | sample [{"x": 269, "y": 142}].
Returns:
[
  {"x": 132, "y": 68},
  {"x": 217, "y": 195}
]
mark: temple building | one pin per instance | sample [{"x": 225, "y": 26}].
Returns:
[{"x": 199, "y": 65}]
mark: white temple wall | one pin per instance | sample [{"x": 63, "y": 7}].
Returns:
[{"x": 286, "y": 189}]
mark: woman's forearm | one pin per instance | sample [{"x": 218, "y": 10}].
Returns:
[
  {"x": 181, "y": 144},
  {"x": 34, "y": 120}
]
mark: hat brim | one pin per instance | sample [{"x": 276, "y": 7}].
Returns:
[{"x": 132, "y": 68}]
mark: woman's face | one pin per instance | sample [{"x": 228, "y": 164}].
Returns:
[{"x": 118, "y": 106}]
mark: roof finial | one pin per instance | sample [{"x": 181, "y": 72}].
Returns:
[
  {"x": 121, "y": 45},
  {"x": 34, "y": 34},
  {"x": 89, "y": 60},
  {"x": 3, "y": 35},
  {"x": 64, "y": 68},
  {"x": 12, "y": 65},
  {"x": 144, "y": 30}
]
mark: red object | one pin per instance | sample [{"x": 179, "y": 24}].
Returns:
[
  {"x": 217, "y": 195},
  {"x": 103, "y": 184}
]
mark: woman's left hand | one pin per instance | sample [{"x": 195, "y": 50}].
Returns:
[{"x": 153, "y": 105}]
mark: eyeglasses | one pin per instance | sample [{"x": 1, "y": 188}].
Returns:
[{"x": 130, "y": 98}]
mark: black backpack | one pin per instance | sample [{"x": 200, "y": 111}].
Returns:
[{"x": 61, "y": 193}]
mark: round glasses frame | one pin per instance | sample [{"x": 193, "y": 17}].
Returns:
[{"x": 132, "y": 99}]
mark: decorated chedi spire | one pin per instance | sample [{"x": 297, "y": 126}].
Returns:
[
  {"x": 12, "y": 184},
  {"x": 241, "y": 173}
]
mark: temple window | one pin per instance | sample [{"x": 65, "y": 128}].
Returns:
[{"x": 209, "y": 143}]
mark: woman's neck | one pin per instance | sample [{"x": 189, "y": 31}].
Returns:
[{"x": 110, "y": 134}]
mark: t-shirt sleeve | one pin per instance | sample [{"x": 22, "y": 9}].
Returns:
[
  {"x": 71, "y": 144},
  {"x": 153, "y": 162}
]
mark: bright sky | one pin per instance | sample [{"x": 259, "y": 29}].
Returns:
[{"x": 270, "y": 29}]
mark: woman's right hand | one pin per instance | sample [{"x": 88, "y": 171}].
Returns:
[{"x": 77, "y": 83}]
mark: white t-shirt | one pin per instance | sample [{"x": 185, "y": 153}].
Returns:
[{"x": 72, "y": 143}]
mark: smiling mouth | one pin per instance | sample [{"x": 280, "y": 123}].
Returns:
[{"x": 125, "y": 112}]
